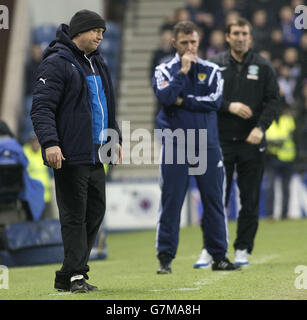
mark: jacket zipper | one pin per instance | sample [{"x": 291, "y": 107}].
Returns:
[{"x": 100, "y": 104}]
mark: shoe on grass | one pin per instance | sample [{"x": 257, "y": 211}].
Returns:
[
  {"x": 60, "y": 286},
  {"x": 224, "y": 265},
  {"x": 241, "y": 257},
  {"x": 164, "y": 269},
  {"x": 165, "y": 264},
  {"x": 78, "y": 284},
  {"x": 204, "y": 260}
]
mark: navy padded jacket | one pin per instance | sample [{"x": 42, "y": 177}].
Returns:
[{"x": 61, "y": 110}]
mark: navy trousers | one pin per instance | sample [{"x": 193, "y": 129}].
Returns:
[{"x": 174, "y": 181}]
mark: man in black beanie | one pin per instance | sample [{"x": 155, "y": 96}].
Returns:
[
  {"x": 73, "y": 115},
  {"x": 85, "y": 20}
]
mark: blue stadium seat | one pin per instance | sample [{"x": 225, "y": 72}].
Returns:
[
  {"x": 113, "y": 31},
  {"x": 44, "y": 34},
  {"x": 110, "y": 45}
]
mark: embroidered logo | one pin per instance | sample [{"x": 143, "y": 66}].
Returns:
[
  {"x": 220, "y": 164},
  {"x": 43, "y": 80},
  {"x": 253, "y": 71},
  {"x": 201, "y": 77}
]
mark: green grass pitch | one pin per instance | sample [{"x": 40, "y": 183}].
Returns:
[{"x": 129, "y": 272}]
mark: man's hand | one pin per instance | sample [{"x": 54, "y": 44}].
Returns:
[
  {"x": 241, "y": 110},
  {"x": 120, "y": 154},
  {"x": 255, "y": 136},
  {"x": 186, "y": 61},
  {"x": 179, "y": 101},
  {"x": 54, "y": 157}
]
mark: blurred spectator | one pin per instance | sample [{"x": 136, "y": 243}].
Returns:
[
  {"x": 26, "y": 127},
  {"x": 303, "y": 54},
  {"x": 276, "y": 45},
  {"x": 37, "y": 170},
  {"x": 265, "y": 54},
  {"x": 291, "y": 59},
  {"x": 164, "y": 51},
  {"x": 261, "y": 32},
  {"x": 295, "y": 3},
  {"x": 227, "y": 7},
  {"x": 5, "y": 130},
  {"x": 300, "y": 106},
  {"x": 199, "y": 15},
  {"x": 216, "y": 43},
  {"x": 281, "y": 154},
  {"x": 231, "y": 15},
  {"x": 212, "y": 5},
  {"x": 271, "y": 7},
  {"x": 179, "y": 14},
  {"x": 31, "y": 67},
  {"x": 286, "y": 83},
  {"x": 290, "y": 34}
]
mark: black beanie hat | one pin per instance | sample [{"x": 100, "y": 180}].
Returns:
[{"x": 85, "y": 20}]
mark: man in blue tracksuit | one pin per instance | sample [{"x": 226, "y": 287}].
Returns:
[
  {"x": 73, "y": 113},
  {"x": 190, "y": 91}
]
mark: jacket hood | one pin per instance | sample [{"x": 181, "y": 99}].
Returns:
[{"x": 63, "y": 44}]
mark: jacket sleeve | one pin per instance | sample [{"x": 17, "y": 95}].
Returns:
[
  {"x": 271, "y": 100},
  {"x": 209, "y": 102},
  {"x": 220, "y": 61},
  {"x": 167, "y": 88},
  {"x": 49, "y": 86}
]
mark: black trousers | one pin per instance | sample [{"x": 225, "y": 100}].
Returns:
[
  {"x": 248, "y": 162},
  {"x": 80, "y": 195}
]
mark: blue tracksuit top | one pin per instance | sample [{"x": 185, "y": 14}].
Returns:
[
  {"x": 99, "y": 106},
  {"x": 201, "y": 90}
]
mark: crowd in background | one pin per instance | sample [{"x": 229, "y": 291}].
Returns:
[{"x": 276, "y": 38}]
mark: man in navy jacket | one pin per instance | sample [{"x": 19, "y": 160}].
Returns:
[
  {"x": 73, "y": 113},
  {"x": 190, "y": 91}
]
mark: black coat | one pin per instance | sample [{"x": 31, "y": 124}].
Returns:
[{"x": 253, "y": 83}]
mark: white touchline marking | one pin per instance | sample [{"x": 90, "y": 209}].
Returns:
[
  {"x": 178, "y": 289},
  {"x": 59, "y": 294},
  {"x": 265, "y": 258},
  {"x": 214, "y": 278}
]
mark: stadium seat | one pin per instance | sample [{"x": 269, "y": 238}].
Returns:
[
  {"x": 110, "y": 46},
  {"x": 113, "y": 31},
  {"x": 44, "y": 34}
]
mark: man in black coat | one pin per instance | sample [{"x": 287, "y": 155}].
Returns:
[
  {"x": 73, "y": 114},
  {"x": 250, "y": 104}
]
